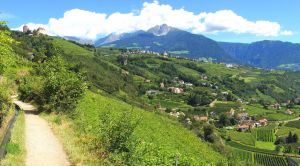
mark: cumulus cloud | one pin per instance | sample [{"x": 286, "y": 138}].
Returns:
[
  {"x": 89, "y": 25},
  {"x": 287, "y": 33}
]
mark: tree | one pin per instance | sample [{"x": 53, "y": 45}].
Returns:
[
  {"x": 279, "y": 149},
  {"x": 200, "y": 97},
  {"x": 224, "y": 120},
  {"x": 55, "y": 86},
  {"x": 295, "y": 138},
  {"x": 289, "y": 138},
  {"x": 63, "y": 88},
  {"x": 208, "y": 132},
  {"x": 122, "y": 59},
  {"x": 288, "y": 149}
]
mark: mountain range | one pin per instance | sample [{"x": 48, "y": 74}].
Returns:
[
  {"x": 264, "y": 54},
  {"x": 165, "y": 38}
]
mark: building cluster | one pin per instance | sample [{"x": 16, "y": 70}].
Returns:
[
  {"x": 180, "y": 82},
  {"x": 176, "y": 90},
  {"x": 39, "y": 31},
  {"x": 138, "y": 51}
]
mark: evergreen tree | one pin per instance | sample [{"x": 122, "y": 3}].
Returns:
[{"x": 295, "y": 138}]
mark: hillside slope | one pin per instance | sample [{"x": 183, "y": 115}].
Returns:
[{"x": 157, "y": 140}]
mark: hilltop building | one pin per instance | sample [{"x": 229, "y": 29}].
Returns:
[
  {"x": 25, "y": 29},
  {"x": 41, "y": 30}
]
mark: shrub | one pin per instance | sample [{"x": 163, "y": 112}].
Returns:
[{"x": 115, "y": 130}]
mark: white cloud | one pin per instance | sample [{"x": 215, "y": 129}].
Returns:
[
  {"x": 228, "y": 21},
  {"x": 87, "y": 24},
  {"x": 287, "y": 33}
]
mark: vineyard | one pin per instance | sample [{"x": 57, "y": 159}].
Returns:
[
  {"x": 259, "y": 158},
  {"x": 269, "y": 160},
  {"x": 242, "y": 154},
  {"x": 264, "y": 134},
  {"x": 243, "y": 138}
]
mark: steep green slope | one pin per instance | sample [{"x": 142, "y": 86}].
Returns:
[
  {"x": 102, "y": 74},
  {"x": 160, "y": 139}
]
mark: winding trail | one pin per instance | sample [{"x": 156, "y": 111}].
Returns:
[{"x": 43, "y": 148}]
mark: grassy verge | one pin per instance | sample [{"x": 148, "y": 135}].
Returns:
[
  {"x": 77, "y": 151},
  {"x": 16, "y": 147},
  {"x": 250, "y": 148},
  {"x": 265, "y": 145}
]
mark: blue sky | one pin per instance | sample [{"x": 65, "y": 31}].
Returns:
[{"x": 236, "y": 13}]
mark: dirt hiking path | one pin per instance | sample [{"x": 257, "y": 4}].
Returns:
[{"x": 42, "y": 147}]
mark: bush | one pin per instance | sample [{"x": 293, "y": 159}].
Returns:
[
  {"x": 55, "y": 87},
  {"x": 115, "y": 130}
]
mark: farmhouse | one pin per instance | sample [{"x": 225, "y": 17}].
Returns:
[
  {"x": 263, "y": 122},
  {"x": 231, "y": 112},
  {"x": 147, "y": 81},
  {"x": 176, "y": 90},
  {"x": 242, "y": 116},
  {"x": 225, "y": 93},
  {"x": 125, "y": 72},
  {"x": 177, "y": 114},
  {"x": 204, "y": 77},
  {"x": 288, "y": 112},
  {"x": 181, "y": 82},
  {"x": 244, "y": 127},
  {"x": 165, "y": 54},
  {"x": 188, "y": 121},
  {"x": 188, "y": 84},
  {"x": 201, "y": 118},
  {"x": 276, "y": 106},
  {"x": 152, "y": 91}
]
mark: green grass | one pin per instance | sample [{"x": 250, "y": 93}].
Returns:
[
  {"x": 280, "y": 116},
  {"x": 294, "y": 124},
  {"x": 270, "y": 114},
  {"x": 249, "y": 148},
  {"x": 241, "y": 137},
  {"x": 222, "y": 107},
  {"x": 154, "y": 129},
  {"x": 265, "y": 145},
  {"x": 284, "y": 131},
  {"x": 16, "y": 151},
  {"x": 257, "y": 110},
  {"x": 71, "y": 48}
]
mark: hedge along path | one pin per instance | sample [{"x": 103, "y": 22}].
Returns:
[{"x": 42, "y": 147}]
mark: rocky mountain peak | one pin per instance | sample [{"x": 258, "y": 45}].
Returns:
[{"x": 160, "y": 30}]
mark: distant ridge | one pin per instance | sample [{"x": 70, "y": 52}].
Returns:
[{"x": 162, "y": 38}]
